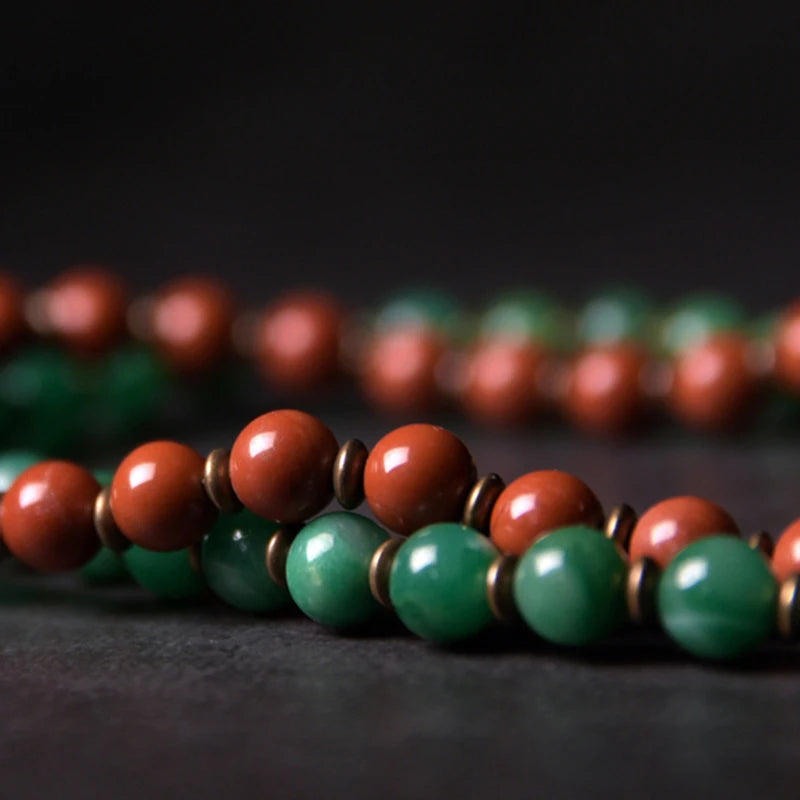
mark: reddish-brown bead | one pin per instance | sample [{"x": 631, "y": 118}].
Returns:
[
  {"x": 786, "y": 558},
  {"x": 297, "y": 341},
  {"x": 604, "y": 391},
  {"x": 669, "y": 526},
  {"x": 192, "y": 321},
  {"x": 787, "y": 348},
  {"x": 714, "y": 384},
  {"x": 12, "y": 314},
  {"x": 157, "y": 497},
  {"x": 500, "y": 383},
  {"x": 281, "y": 465},
  {"x": 400, "y": 370},
  {"x": 416, "y": 475},
  {"x": 85, "y": 308},
  {"x": 48, "y": 516},
  {"x": 539, "y": 502}
]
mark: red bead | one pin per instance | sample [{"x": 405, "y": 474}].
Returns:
[
  {"x": 85, "y": 308},
  {"x": 298, "y": 341},
  {"x": 786, "y": 558},
  {"x": 12, "y": 318},
  {"x": 158, "y": 499},
  {"x": 501, "y": 381},
  {"x": 48, "y": 516},
  {"x": 787, "y": 348},
  {"x": 669, "y": 526},
  {"x": 281, "y": 465},
  {"x": 192, "y": 321},
  {"x": 540, "y": 502},
  {"x": 417, "y": 475}
]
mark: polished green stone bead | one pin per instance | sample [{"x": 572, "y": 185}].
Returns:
[
  {"x": 327, "y": 569},
  {"x": 235, "y": 566},
  {"x": 107, "y": 567},
  {"x": 698, "y": 317},
  {"x": 526, "y": 315},
  {"x": 569, "y": 586},
  {"x": 168, "y": 575},
  {"x": 614, "y": 316},
  {"x": 423, "y": 306},
  {"x": 438, "y": 582},
  {"x": 717, "y": 598},
  {"x": 13, "y": 462}
]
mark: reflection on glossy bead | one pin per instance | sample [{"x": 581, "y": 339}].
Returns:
[
  {"x": 327, "y": 570},
  {"x": 12, "y": 463},
  {"x": 171, "y": 576},
  {"x": 717, "y": 598},
  {"x": 786, "y": 558},
  {"x": 570, "y": 586},
  {"x": 235, "y": 566},
  {"x": 107, "y": 567},
  {"x": 438, "y": 582}
]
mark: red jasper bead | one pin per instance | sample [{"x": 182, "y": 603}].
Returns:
[
  {"x": 298, "y": 341},
  {"x": 12, "y": 317},
  {"x": 281, "y": 465},
  {"x": 158, "y": 499},
  {"x": 786, "y": 558},
  {"x": 48, "y": 516},
  {"x": 539, "y": 502},
  {"x": 787, "y": 348},
  {"x": 417, "y": 475},
  {"x": 669, "y": 526}
]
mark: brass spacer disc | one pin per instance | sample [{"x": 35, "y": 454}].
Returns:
[
  {"x": 217, "y": 481},
  {"x": 762, "y": 542},
  {"x": 107, "y": 530},
  {"x": 620, "y": 524},
  {"x": 277, "y": 550},
  {"x": 348, "y": 473},
  {"x": 380, "y": 568},
  {"x": 640, "y": 591},
  {"x": 481, "y": 501},
  {"x": 788, "y": 612},
  {"x": 500, "y": 588}
]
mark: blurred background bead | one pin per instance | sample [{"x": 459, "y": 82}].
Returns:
[
  {"x": 12, "y": 315},
  {"x": 670, "y": 525},
  {"x": 786, "y": 339},
  {"x": 786, "y": 558},
  {"x": 170, "y": 576},
  {"x": 422, "y": 308},
  {"x": 540, "y": 502},
  {"x": 417, "y": 475},
  {"x": 617, "y": 315},
  {"x": 528, "y": 316},
  {"x": 697, "y": 317}
]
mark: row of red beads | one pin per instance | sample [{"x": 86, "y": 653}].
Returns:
[
  {"x": 280, "y": 468},
  {"x": 302, "y": 342}
]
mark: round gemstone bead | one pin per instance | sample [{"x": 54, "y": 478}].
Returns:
[
  {"x": 107, "y": 567},
  {"x": 12, "y": 319},
  {"x": 12, "y": 463},
  {"x": 417, "y": 475},
  {"x": 437, "y": 583},
  {"x": 422, "y": 308},
  {"x": 717, "y": 598},
  {"x": 157, "y": 497},
  {"x": 234, "y": 563},
  {"x": 569, "y": 586},
  {"x": 47, "y": 516},
  {"x": 281, "y": 465},
  {"x": 670, "y": 525},
  {"x": 327, "y": 569},
  {"x": 616, "y": 316},
  {"x": 696, "y": 318},
  {"x": 540, "y": 502},
  {"x": 786, "y": 338},
  {"x": 171, "y": 576},
  {"x": 786, "y": 558},
  {"x": 525, "y": 315}
]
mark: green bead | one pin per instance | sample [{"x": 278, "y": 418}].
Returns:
[
  {"x": 424, "y": 306},
  {"x": 698, "y": 317},
  {"x": 569, "y": 586},
  {"x": 717, "y": 598},
  {"x": 106, "y": 567},
  {"x": 527, "y": 315},
  {"x": 614, "y": 316},
  {"x": 168, "y": 575},
  {"x": 12, "y": 463},
  {"x": 438, "y": 582},
  {"x": 235, "y": 565},
  {"x": 327, "y": 569}
]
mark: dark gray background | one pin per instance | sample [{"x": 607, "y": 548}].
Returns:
[{"x": 559, "y": 146}]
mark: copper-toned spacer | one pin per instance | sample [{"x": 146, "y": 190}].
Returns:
[
  {"x": 500, "y": 588},
  {"x": 107, "y": 531},
  {"x": 788, "y": 611},
  {"x": 380, "y": 568},
  {"x": 762, "y": 542},
  {"x": 277, "y": 551},
  {"x": 640, "y": 590},
  {"x": 217, "y": 481},
  {"x": 481, "y": 500},
  {"x": 348, "y": 473},
  {"x": 620, "y": 524}
]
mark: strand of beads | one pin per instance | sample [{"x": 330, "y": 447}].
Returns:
[{"x": 449, "y": 553}]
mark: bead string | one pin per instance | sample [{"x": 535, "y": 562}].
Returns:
[{"x": 460, "y": 551}]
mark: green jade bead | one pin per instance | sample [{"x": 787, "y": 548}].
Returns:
[
  {"x": 717, "y": 598},
  {"x": 327, "y": 569},
  {"x": 569, "y": 586},
  {"x": 437, "y": 583},
  {"x": 425, "y": 307},
  {"x": 170, "y": 576},
  {"x": 528, "y": 316},
  {"x": 617, "y": 315},
  {"x": 698, "y": 317},
  {"x": 14, "y": 462},
  {"x": 235, "y": 566}
]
